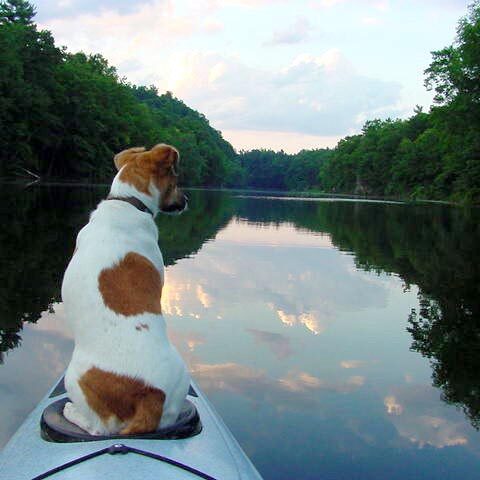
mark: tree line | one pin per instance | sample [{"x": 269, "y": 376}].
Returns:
[
  {"x": 434, "y": 155},
  {"x": 64, "y": 115}
]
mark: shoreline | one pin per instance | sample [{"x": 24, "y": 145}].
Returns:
[{"x": 258, "y": 193}]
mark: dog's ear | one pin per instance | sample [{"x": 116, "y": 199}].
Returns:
[
  {"x": 120, "y": 159},
  {"x": 166, "y": 158}
]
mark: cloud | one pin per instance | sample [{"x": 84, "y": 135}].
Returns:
[
  {"x": 30, "y": 370},
  {"x": 203, "y": 297},
  {"x": 301, "y": 381},
  {"x": 311, "y": 320},
  {"x": 422, "y": 419},
  {"x": 47, "y": 9},
  {"x": 381, "y": 5},
  {"x": 297, "y": 32},
  {"x": 138, "y": 42},
  {"x": 371, "y": 20},
  {"x": 326, "y": 3},
  {"x": 230, "y": 376},
  {"x": 186, "y": 343},
  {"x": 392, "y": 406},
  {"x": 290, "y": 142},
  {"x": 296, "y": 390},
  {"x": 315, "y": 95},
  {"x": 213, "y": 26},
  {"x": 352, "y": 364},
  {"x": 298, "y": 283},
  {"x": 241, "y": 3}
]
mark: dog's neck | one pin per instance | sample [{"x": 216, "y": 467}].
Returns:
[{"x": 121, "y": 189}]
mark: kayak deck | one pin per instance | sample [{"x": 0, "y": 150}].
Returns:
[{"x": 213, "y": 451}]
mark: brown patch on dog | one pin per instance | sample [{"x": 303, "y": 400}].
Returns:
[
  {"x": 141, "y": 167},
  {"x": 132, "y": 286},
  {"x": 142, "y": 326},
  {"x": 129, "y": 399},
  {"x": 120, "y": 159}
]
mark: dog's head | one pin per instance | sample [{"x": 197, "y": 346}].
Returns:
[{"x": 153, "y": 169}]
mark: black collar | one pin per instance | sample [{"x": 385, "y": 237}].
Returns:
[{"x": 138, "y": 204}]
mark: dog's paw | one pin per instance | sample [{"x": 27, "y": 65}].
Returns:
[
  {"x": 75, "y": 417},
  {"x": 69, "y": 412}
]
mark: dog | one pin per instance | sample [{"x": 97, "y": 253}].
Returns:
[{"x": 124, "y": 376}]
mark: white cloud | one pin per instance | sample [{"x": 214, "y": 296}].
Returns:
[
  {"x": 381, "y": 5},
  {"x": 392, "y": 406},
  {"x": 294, "y": 33},
  {"x": 371, "y": 20},
  {"x": 70, "y": 8},
  {"x": 290, "y": 142},
  {"x": 318, "y": 95},
  {"x": 418, "y": 416},
  {"x": 301, "y": 381},
  {"x": 292, "y": 391},
  {"x": 241, "y": 3},
  {"x": 140, "y": 43},
  {"x": 308, "y": 301},
  {"x": 326, "y": 3},
  {"x": 203, "y": 297},
  {"x": 315, "y": 95},
  {"x": 348, "y": 364},
  {"x": 213, "y": 26},
  {"x": 311, "y": 320}
]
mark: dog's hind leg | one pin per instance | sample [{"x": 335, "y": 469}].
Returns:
[
  {"x": 148, "y": 412},
  {"x": 71, "y": 413}
]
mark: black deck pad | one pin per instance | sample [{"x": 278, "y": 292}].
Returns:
[{"x": 56, "y": 428}]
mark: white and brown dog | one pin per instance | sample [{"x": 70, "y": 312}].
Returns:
[{"x": 124, "y": 377}]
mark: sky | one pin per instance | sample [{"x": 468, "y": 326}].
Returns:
[{"x": 278, "y": 74}]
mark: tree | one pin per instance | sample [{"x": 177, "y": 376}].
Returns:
[
  {"x": 455, "y": 70},
  {"x": 16, "y": 11}
]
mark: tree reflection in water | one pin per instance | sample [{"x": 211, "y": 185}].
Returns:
[
  {"x": 38, "y": 237},
  {"x": 449, "y": 335},
  {"x": 436, "y": 247}
]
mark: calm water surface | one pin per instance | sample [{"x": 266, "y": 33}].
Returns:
[{"x": 338, "y": 340}]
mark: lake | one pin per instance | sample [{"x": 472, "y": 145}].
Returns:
[{"x": 337, "y": 339}]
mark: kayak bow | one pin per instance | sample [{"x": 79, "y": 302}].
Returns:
[{"x": 199, "y": 446}]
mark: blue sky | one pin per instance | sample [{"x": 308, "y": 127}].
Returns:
[{"x": 272, "y": 73}]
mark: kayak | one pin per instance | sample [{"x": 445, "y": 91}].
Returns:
[{"x": 199, "y": 445}]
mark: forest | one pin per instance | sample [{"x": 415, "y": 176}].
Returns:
[{"x": 64, "y": 115}]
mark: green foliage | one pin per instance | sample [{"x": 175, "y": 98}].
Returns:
[
  {"x": 266, "y": 169},
  {"x": 16, "y": 11},
  {"x": 65, "y": 115}
]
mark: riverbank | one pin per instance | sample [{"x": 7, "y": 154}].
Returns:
[{"x": 280, "y": 194}]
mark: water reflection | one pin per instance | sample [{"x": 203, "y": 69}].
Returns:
[
  {"x": 452, "y": 341},
  {"x": 37, "y": 237},
  {"x": 293, "y": 318}
]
